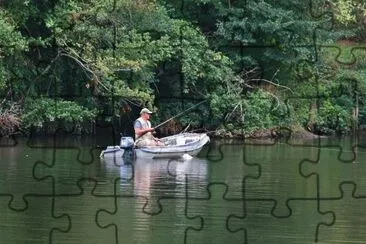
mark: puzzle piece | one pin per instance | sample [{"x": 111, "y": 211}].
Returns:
[
  {"x": 134, "y": 226},
  {"x": 146, "y": 227},
  {"x": 65, "y": 173},
  {"x": 342, "y": 57},
  {"x": 331, "y": 171},
  {"x": 260, "y": 225},
  {"x": 82, "y": 209},
  {"x": 84, "y": 145},
  {"x": 16, "y": 178},
  {"x": 278, "y": 177},
  {"x": 349, "y": 216},
  {"x": 348, "y": 91},
  {"x": 228, "y": 165},
  {"x": 215, "y": 210},
  {"x": 239, "y": 15},
  {"x": 38, "y": 223}
]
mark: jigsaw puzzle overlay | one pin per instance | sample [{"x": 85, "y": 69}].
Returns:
[{"x": 58, "y": 188}]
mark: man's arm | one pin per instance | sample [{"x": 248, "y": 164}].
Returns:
[{"x": 139, "y": 131}]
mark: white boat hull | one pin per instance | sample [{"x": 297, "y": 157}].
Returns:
[
  {"x": 112, "y": 152},
  {"x": 187, "y": 143}
]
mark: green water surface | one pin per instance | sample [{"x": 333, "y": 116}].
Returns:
[{"x": 60, "y": 191}]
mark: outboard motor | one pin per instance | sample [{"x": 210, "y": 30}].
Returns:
[{"x": 126, "y": 142}]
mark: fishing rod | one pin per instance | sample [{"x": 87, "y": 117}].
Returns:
[{"x": 166, "y": 121}]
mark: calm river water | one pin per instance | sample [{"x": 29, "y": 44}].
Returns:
[{"x": 58, "y": 190}]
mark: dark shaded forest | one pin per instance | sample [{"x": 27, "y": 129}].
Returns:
[{"x": 259, "y": 65}]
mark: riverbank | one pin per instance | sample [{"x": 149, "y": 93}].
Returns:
[{"x": 294, "y": 132}]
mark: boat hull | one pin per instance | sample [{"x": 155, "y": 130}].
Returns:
[
  {"x": 192, "y": 148},
  {"x": 112, "y": 152}
]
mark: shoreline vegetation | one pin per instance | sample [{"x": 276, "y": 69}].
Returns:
[
  {"x": 72, "y": 65},
  {"x": 295, "y": 132}
]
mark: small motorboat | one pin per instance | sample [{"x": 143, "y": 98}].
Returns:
[{"x": 174, "y": 146}]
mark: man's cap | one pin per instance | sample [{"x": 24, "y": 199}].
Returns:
[{"x": 145, "y": 110}]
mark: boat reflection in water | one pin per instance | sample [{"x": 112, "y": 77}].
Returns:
[
  {"x": 155, "y": 196},
  {"x": 158, "y": 177},
  {"x": 151, "y": 196}
]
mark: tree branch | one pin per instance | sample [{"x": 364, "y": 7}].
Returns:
[
  {"x": 272, "y": 83},
  {"x": 85, "y": 67}
]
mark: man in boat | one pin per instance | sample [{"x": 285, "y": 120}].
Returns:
[{"x": 143, "y": 131}]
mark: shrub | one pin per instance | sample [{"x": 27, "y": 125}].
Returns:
[
  {"x": 9, "y": 119},
  {"x": 50, "y": 114}
]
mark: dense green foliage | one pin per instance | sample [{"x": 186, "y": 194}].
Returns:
[
  {"x": 55, "y": 114},
  {"x": 253, "y": 61}
]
